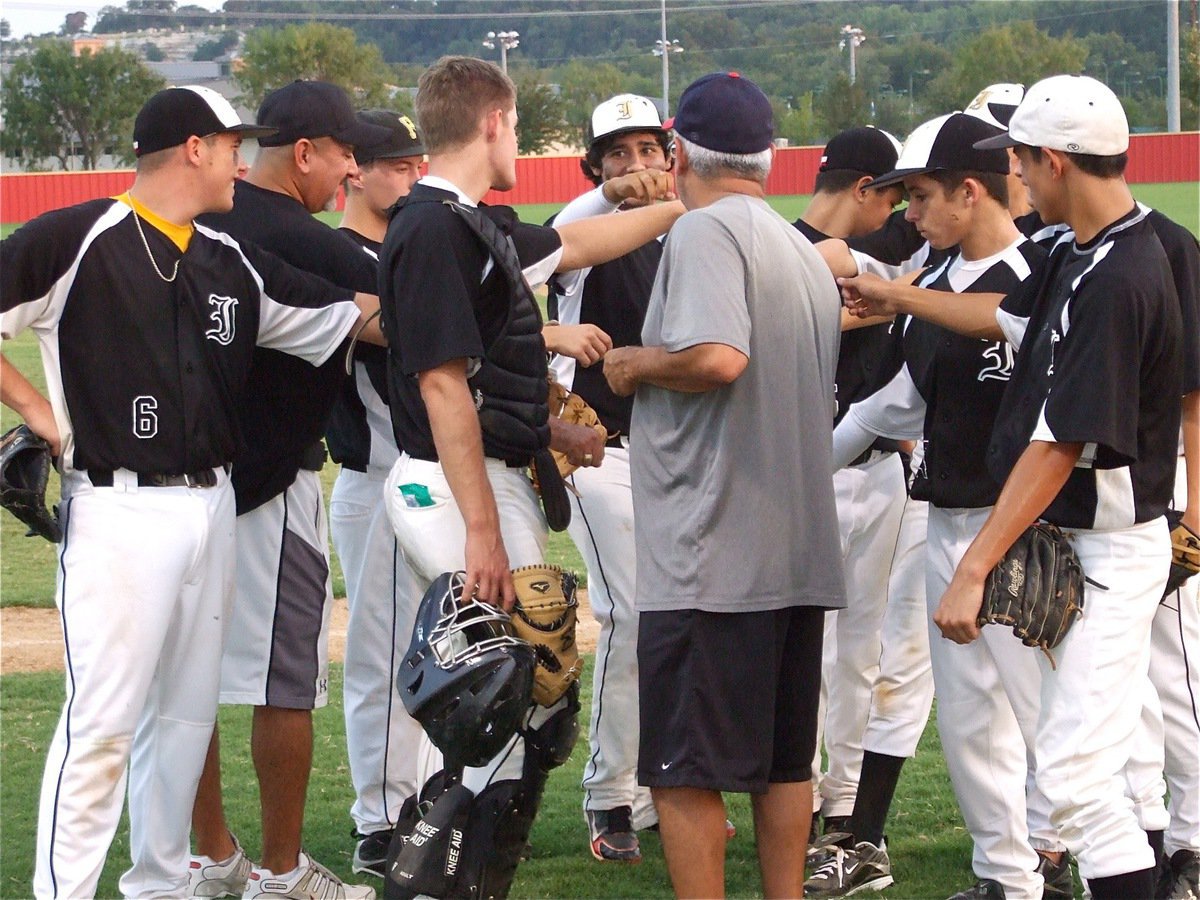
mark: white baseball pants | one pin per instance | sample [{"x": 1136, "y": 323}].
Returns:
[
  {"x": 903, "y": 693},
  {"x": 1175, "y": 672},
  {"x": 145, "y": 584},
  {"x": 870, "y": 498},
  {"x": 383, "y": 595},
  {"x": 433, "y": 538},
  {"x": 988, "y": 697},
  {"x": 1092, "y": 703},
  {"x": 602, "y": 529}
]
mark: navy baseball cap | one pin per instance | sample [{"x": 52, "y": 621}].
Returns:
[
  {"x": 726, "y": 113},
  {"x": 868, "y": 150},
  {"x": 402, "y": 141},
  {"x": 173, "y": 115},
  {"x": 947, "y": 142},
  {"x": 314, "y": 109}
]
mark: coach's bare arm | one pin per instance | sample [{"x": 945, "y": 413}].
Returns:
[
  {"x": 700, "y": 368},
  {"x": 973, "y": 315},
  {"x": 596, "y": 240},
  {"x": 23, "y": 398},
  {"x": 368, "y": 327}
]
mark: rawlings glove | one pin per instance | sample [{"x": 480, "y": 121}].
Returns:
[
  {"x": 544, "y": 615},
  {"x": 24, "y": 472},
  {"x": 1185, "y": 552},
  {"x": 1037, "y": 588}
]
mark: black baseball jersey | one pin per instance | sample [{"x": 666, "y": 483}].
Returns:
[
  {"x": 961, "y": 381},
  {"x": 613, "y": 296},
  {"x": 1099, "y": 363},
  {"x": 287, "y": 407},
  {"x": 867, "y": 357},
  {"x": 1183, "y": 254},
  {"x": 360, "y": 430},
  {"x": 149, "y": 375},
  {"x": 894, "y": 249},
  {"x": 443, "y": 296}
]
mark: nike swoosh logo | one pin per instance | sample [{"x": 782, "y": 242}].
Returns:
[{"x": 666, "y": 766}]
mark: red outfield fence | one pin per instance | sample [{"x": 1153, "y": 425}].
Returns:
[{"x": 556, "y": 179}]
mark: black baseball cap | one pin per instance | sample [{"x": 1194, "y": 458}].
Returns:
[
  {"x": 727, "y": 113},
  {"x": 868, "y": 150},
  {"x": 173, "y": 115},
  {"x": 314, "y": 109},
  {"x": 402, "y": 139},
  {"x": 947, "y": 142}
]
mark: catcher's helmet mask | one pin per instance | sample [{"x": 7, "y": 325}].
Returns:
[{"x": 465, "y": 677}]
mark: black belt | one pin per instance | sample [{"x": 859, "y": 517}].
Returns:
[{"x": 205, "y": 478}]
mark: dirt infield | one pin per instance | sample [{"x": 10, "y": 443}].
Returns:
[{"x": 31, "y": 640}]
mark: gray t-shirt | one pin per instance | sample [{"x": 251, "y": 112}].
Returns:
[{"x": 733, "y": 498}]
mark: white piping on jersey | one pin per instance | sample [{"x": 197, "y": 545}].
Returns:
[
  {"x": 1114, "y": 499},
  {"x": 276, "y": 317}
]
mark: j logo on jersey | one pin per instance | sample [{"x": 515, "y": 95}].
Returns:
[{"x": 222, "y": 315}]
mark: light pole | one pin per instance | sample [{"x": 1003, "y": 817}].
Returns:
[
  {"x": 854, "y": 37},
  {"x": 505, "y": 40},
  {"x": 911, "y": 103},
  {"x": 664, "y": 48}
]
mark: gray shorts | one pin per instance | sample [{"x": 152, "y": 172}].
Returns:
[{"x": 277, "y": 641}]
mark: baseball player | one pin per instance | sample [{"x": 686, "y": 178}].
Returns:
[
  {"x": 897, "y": 248},
  {"x": 871, "y": 493},
  {"x": 381, "y": 738},
  {"x": 1085, "y": 438},
  {"x": 467, "y": 384},
  {"x": 148, "y": 323},
  {"x": 1174, "y": 674},
  {"x": 626, "y": 147},
  {"x": 276, "y": 656},
  {"x": 946, "y": 394}
]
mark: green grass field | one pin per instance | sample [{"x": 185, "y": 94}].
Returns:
[{"x": 930, "y": 849}]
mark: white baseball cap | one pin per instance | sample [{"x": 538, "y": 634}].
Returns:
[
  {"x": 622, "y": 113},
  {"x": 996, "y": 103},
  {"x": 1068, "y": 113}
]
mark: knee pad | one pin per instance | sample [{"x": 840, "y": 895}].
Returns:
[
  {"x": 550, "y": 744},
  {"x": 499, "y": 829},
  {"x": 427, "y": 859}
]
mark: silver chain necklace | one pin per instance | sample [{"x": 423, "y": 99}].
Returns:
[{"x": 137, "y": 220}]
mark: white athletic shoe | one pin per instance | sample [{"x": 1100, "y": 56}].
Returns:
[
  {"x": 308, "y": 881},
  {"x": 227, "y": 878}
]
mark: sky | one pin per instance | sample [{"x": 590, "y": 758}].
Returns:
[{"x": 41, "y": 16}]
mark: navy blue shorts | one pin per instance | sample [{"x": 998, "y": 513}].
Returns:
[{"x": 728, "y": 701}]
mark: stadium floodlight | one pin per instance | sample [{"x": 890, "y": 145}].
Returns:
[{"x": 505, "y": 40}]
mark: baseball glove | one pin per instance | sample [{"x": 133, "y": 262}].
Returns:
[
  {"x": 1185, "y": 552},
  {"x": 570, "y": 407},
  {"x": 24, "y": 473},
  {"x": 544, "y": 616},
  {"x": 1037, "y": 588}
]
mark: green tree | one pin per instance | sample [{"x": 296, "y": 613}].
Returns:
[
  {"x": 1189, "y": 80},
  {"x": 153, "y": 52},
  {"x": 273, "y": 57},
  {"x": 5, "y": 30},
  {"x": 60, "y": 106},
  {"x": 843, "y": 105},
  {"x": 583, "y": 86},
  {"x": 215, "y": 47},
  {"x": 539, "y": 112},
  {"x": 1018, "y": 52}
]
